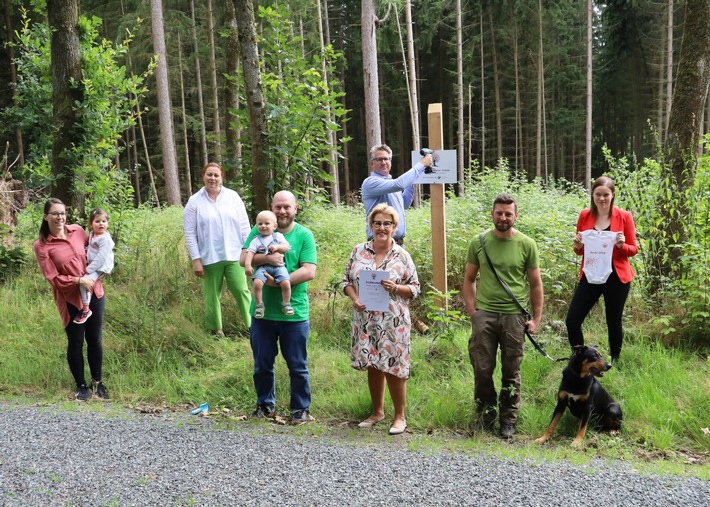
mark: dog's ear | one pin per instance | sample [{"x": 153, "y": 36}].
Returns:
[{"x": 579, "y": 349}]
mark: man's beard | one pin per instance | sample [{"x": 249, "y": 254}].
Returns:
[
  {"x": 503, "y": 227},
  {"x": 283, "y": 223}
]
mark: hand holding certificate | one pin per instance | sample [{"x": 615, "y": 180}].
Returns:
[{"x": 371, "y": 292}]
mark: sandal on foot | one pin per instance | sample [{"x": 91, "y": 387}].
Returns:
[
  {"x": 259, "y": 311},
  {"x": 287, "y": 308}
]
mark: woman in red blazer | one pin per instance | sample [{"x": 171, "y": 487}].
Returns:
[{"x": 604, "y": 216}]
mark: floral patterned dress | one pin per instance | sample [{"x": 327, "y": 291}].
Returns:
[{"x": 382, "y": 339}]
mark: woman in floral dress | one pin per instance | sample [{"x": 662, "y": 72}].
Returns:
[{"x": 381, "y": 340}]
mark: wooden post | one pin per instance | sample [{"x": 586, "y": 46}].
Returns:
[{"x": 438, "y": 210}]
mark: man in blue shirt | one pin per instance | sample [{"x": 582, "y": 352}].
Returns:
[{"x": 380, "y": 187}]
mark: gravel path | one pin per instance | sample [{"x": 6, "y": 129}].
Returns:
[{"x": 103, "y": 456}]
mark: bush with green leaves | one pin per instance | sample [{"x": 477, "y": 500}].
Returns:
[
  {"x": 644, "y": 192},
  {"x": 11, "y": 259},
  {"x": 106, "y": 110},
  {"x": 297, "y": 101}
]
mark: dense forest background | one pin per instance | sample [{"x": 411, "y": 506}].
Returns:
[{"x": 523, "y": 81}]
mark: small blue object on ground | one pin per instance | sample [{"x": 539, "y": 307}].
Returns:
[{"x": 202, "y": 408}]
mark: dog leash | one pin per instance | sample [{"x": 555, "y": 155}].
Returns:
[{"x": 527, "y": 315}]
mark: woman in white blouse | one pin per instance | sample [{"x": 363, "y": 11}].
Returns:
[{"x": 216, "y": 225}]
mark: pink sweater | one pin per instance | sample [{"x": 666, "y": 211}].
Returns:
[{"x": 62, "y": 261}]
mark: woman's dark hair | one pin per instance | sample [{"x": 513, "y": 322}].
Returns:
[
  {"x": 94, "y": 213},
  {"x": 44, "y": 227},
  {"x": 603, "y": 181}
]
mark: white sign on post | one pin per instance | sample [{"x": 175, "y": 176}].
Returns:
[{"x": 443, "y": 170}]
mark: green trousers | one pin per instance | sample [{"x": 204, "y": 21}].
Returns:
[{"x": 236, "y": 278}]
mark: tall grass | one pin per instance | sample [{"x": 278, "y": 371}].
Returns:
[{"x": 156, "y": 351}]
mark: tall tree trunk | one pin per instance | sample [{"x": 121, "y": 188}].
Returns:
[
  {"x": 167, "y": 138},
  {"x": 186, "y": 145},
  {"x": 346, "y": 153},
  {"x": 588, "y": 130},
  {"x": 10, "y": 34},
  {"x": 146, "y": 154},
  {"x": 685, "y": 124},
  {"x": 134, "y": 167},
  {"x": 660, "y": 114},
  {"x": 496, "y": 88},
  {"x": 469, "y": 151},
  {"x": 410, "y": 71},
  {"x": 255, "y": 100},
  {"x": 540, "y": 95},
  {"x": 331, "y": 138},
  {"x": 412, "y": 77},
  {"x": 231, "y": 92},
  {"x": 217, "y": 130},
  {"x": 483, "y": 97},
  {"x": 63, "y": 17},
  {"x": 519, "y": 158},
  {"x": 198, "y": 79},
  {"x": 460, "y": 104},
  {"x": 669, "y": 64},
  {"x": 373, "y": 132}
]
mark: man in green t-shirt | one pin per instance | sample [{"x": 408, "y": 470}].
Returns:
[
  {"x": 495, "y": 318},
  {"x": 276, "y": 328}
]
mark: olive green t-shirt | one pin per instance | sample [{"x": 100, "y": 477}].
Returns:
[{"x": 512, "y": 258}]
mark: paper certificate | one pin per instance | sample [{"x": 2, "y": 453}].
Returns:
[{"x": 371, "y": 292}]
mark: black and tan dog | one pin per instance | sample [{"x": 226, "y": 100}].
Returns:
[{"x": 584, "y": 395}]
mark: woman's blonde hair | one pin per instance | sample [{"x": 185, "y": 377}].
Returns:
[{"x": 385, "y": 209}]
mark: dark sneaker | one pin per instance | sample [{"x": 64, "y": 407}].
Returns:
[
  {"x": 100, "y": 390},
  {"x": 507, "y": 431},
  {"x": 263, "y": 411},
  {"x": 82, "y": 316},
  {"x": 299, "y": 417},
  {"x": 83, "y": 393}
]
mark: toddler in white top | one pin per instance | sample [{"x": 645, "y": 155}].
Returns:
[
  {"x": 99, "y": 257},
  {"x": 268, "y": 241}
]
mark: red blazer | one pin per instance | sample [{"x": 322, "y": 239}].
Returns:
[{"x": 621, "y": 221}]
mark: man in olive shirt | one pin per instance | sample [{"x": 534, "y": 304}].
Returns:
[{"x": 496, "y": 319}]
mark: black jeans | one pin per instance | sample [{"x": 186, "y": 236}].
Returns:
[
  {"x": 91, "y": 331},
  {"x": 585, "y": 297}
]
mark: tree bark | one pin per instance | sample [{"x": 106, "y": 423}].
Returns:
[
  {"x": 186, "y": 145},
  {"x": 496, "y": 88},
  {"x": 216, "y": 128},
  {"x": 13, "y": 79},
  {"x": 198, "y": 82},
  {"x": 669, "y": 64},
  {"x": 330, "y": 133},
  {"x": 460, "y": 99},
  {"x": 483, "y": 96},
  {"x": 519, "y": 152},
  {"x": 231, "y": 92},
  {"x": 167, "y": 139},
  {"x": 256, "y": 102},
  {"x": 686, "y": 120},
  {"x": 63, "y": 17},
  {"x": 373, "y": 129},
  {"x": 588, "y": 129}
]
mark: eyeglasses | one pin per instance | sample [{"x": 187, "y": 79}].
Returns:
[
  {"x": 57, "y": 214},
  {"x": 381, "y": 159},
  {"x": 378, "y": 224}
]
